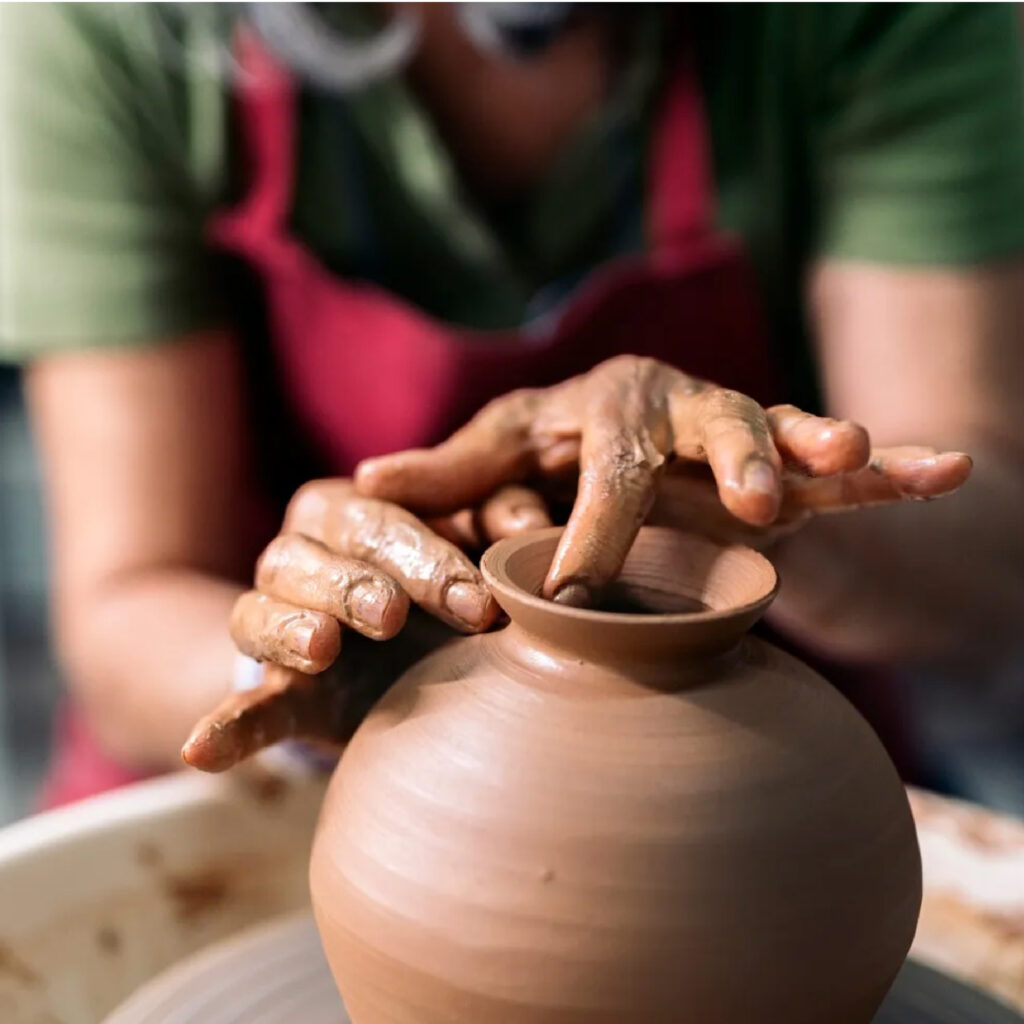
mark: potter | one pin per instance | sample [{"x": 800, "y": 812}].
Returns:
[
  {"x": 628, "y": 819},
  {"x": 716, "y": 265}
]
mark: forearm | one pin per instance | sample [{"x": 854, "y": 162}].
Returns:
[
  {"x": 146, "y": 655},
  {"x": 915, "y": 582},
  {"x": 152, "y": 510}
]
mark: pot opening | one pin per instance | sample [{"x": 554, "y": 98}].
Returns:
[
  {"x": 676, "y": 590},
  {"x": 622, "y": 598}
]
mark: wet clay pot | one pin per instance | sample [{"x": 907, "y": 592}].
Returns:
[{"x": 603, "y": 816}]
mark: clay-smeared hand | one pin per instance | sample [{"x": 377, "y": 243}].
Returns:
[
  {"x": 622, "y": 424},
  {"x": 325, "y": 708},
  {"x": 344, "y": 560}
]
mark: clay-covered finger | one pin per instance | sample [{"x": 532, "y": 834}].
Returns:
[
  {"x": 460, "y": 528},
  {"x": 304, "y": 572},
  {"x": 433, "y": 572},
  {"x": 513, "y": 510},
  {"x": 731, "y": 432},
  {"x": 818, "y": 445},
  {"x": 287, "y": 704},
  {"x": 491, "y": 450},
  {"x": 625, "y": 440},
  {"x": 298, "y": 638},
  {"x": 892, "y": 475}
]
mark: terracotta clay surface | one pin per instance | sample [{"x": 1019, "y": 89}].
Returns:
[{"x": 591, "y": 817}]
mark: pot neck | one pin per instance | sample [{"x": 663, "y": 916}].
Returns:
[{"x": 696, "y": 599}]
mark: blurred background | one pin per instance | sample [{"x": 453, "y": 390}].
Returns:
[{"x": 29, "y": 683}]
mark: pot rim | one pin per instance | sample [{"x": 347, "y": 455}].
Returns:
[{"x": 494, "y": 566}]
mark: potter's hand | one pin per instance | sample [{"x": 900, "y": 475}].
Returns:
[
  {"x": 345, "y": 560},
  {"x": 622, "y": 423},
  {"x": 324, "y": 709}
]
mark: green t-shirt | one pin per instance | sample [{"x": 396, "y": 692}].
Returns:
[{"x": 890, "y": 133}]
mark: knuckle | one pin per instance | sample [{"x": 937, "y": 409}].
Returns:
[
  {"x": 305, "y": 502},
  {"x": 728, "y": 401},
  {"x": 626, "y": 364},
  {"x": 636, "y": 372},
  {"x": 627, "y": 460},
  {"x": 728, "y": 409},
  {"x": 508, "y": 410},
  {"x": 276, "y": 556},
  {"x": 370, "y": 528}
]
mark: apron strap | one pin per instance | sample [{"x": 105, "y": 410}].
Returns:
[
  {"x": 267, "y": 99},
  {"x": 681, "y": 184}
]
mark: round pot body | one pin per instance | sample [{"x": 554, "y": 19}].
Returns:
[{"x": 593, "y": 816}]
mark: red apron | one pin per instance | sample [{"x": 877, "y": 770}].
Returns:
[{"x": 365, "y": 373}]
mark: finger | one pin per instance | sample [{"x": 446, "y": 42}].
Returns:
[
  {"x": 893, "y": 474},
  {"x": 493, "y": 449},
  {"x": 625, "y": 438},
  {"x": 299, "y": 638},
  {"x": 432, "y": 571},
  {"x": 513, "y": 510},
  {"x": 304, "y": 572},
  {"x": 460, "y": 529},
  {"x": 287, "y": 704},
  {"x": 818, "y": 445},
  {"x": 731, "y": 432}
]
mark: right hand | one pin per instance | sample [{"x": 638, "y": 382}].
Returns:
[{"x": 343, "y": 560}]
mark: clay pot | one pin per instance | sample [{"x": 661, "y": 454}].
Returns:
[{"x": 594, "y": 816}]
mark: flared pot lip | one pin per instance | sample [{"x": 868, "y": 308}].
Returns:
[{"x": 494, "y": 566}]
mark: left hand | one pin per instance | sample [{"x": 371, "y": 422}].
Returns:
[
  {"x": 739, "y": 472},
  {"x": 323, "y": 709}
]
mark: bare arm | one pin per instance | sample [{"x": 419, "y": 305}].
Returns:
[
  {"x": 914, "y": 353},
  {"x": 145, "y": 462}
]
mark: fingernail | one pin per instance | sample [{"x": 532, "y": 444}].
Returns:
[
  {"x": 368, "y": 604},
  {"x": 302, "y": 635},
  {"x": 760, "y": 477},
  {"x": 527, "y": 517},
  {"x": 468, "y": 602},
  {"x": 576, "y": 595}
]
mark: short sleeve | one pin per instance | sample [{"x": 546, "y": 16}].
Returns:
[
  {"x": 917, "y": 138},
  {"x": 102, "y": 203}
]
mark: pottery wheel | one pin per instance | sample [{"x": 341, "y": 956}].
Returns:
[{"x": 276, "y": 974}]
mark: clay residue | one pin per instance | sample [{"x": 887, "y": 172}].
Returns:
[
  {"x": 108, "y": 939},
  {"x": 194, "y": 895},
  {"x": 267, "y": 787},
  {"x": 12, "y": 966}
]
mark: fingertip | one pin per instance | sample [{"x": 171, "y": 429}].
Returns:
[
  {"x": 757, "y": 497},
  {"x": 523, "y": 520},
  {"x": 958, "y": 467},
  {"x": 573, "y": 594},
  {"x": 469, "y": 606},
  {"x": 963, "y": 462},
  {"x": 324, "y": 644},
  {"x": 376, "y": 606},
  {"x": 844, "y": 447},
  {"x": 923, "y": 474},
  {"x": 210, "y": 748},
  {"x": 371, "y": 475},
  {"x": 395, "y": 614}
]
